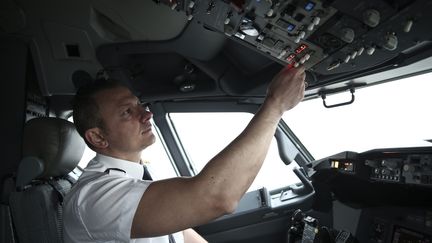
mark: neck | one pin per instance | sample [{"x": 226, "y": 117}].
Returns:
[{"x": 133, "y": 157}]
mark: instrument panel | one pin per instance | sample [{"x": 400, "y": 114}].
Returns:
[
  {"x": 408, "y": 166},
  {"x": 326, "y": 36}
]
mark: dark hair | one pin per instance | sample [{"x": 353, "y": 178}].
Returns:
[{"x": 85, "y": 108}]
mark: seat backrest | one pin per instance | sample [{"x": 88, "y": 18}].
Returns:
[
  {"x": 51, "y": 150},
  {"x": 7, "y": 234}
]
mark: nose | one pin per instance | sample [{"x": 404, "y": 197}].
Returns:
[{"x": 144, "y": 114}]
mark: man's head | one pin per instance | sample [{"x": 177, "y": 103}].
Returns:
[{"x": 111, "y": 119}]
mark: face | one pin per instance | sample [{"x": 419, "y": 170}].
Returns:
[{"x": 127, "y": 123}]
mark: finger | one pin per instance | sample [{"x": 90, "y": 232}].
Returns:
[
  {"x": 302, "y": 76},
  {"x": 291, "y": 68}
]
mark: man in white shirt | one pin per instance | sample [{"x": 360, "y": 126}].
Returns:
[{"x": 111, "y": 202}]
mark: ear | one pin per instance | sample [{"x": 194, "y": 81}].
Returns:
[{"x": 96, "y": 138}]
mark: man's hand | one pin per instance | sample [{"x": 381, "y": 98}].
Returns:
[{"x": 286, "y": 89}]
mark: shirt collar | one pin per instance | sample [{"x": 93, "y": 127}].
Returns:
[{"x": 134, "y": 170}]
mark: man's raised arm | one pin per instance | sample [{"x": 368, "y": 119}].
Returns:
[{"x": 175, "y": 204}]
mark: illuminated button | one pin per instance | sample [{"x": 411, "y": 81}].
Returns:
[
  {"x": 301, "y": 48},
  {"x": 307, "y": 56},
  {"x": 309, "y": 6},
  {"x": 297, "y": 39},
  {"x": 296, "y": 64},
  {"x": 173, "y": 6},
  {"x": 227, "y": 21},
  {"x": 290, "y": 27},
  {"x": 285, "y": 25},
  {"x": 354, "y": 54},
  {"x": 190, "y": 17},
  {"x": 290, "y": 57},
  {"x": 311, "y": 26}
]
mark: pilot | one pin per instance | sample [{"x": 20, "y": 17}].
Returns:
[{"x": 111, "y": 202}]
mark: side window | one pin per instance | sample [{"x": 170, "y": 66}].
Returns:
[
  {"x": 87, "y": 156},
  {"x": 155, "y": 157},
  {"x": 203, "y": 135}
]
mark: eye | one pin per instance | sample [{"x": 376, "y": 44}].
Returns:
[{"x": 127, "y": 112}]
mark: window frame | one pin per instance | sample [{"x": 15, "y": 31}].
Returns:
[{"x": 161, "y": 110}]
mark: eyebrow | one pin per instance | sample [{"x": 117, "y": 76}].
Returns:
[{"x": 128, "y": 101}]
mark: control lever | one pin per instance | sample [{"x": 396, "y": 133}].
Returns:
[{"x": 304, "y": 189}]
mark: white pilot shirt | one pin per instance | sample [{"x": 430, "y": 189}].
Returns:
[{"x": 101, "y": 206}]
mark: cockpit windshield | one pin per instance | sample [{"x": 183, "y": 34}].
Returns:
[{"x": 393, "y": 114}]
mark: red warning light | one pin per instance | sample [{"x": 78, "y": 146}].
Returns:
[
  {"x": 290, "y": 57},
  {"x": 301, "y": 48}
]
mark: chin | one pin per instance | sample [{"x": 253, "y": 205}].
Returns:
[{"x": 149, "y": 140}]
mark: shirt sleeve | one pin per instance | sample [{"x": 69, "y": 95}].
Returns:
[{"x": 107, "y": 206}]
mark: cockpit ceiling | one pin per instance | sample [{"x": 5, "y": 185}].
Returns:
[{"x": 221, "y": 48}]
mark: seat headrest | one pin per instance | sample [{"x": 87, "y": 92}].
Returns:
[{"x": 55, "y": 143}]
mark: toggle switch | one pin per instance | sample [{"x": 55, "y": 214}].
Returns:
[
  {"x": 334, "y": 65},
  {"x": 408, "y": 26},
  {"x": 191, "y": 4},
  {"x": 347, "y": 58},
  {"x": 270, "y": 12},
  {"x": 360, "y": 51},
  {"x": 316, "y": 20},
  {"x": 370, "y": 50}
]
